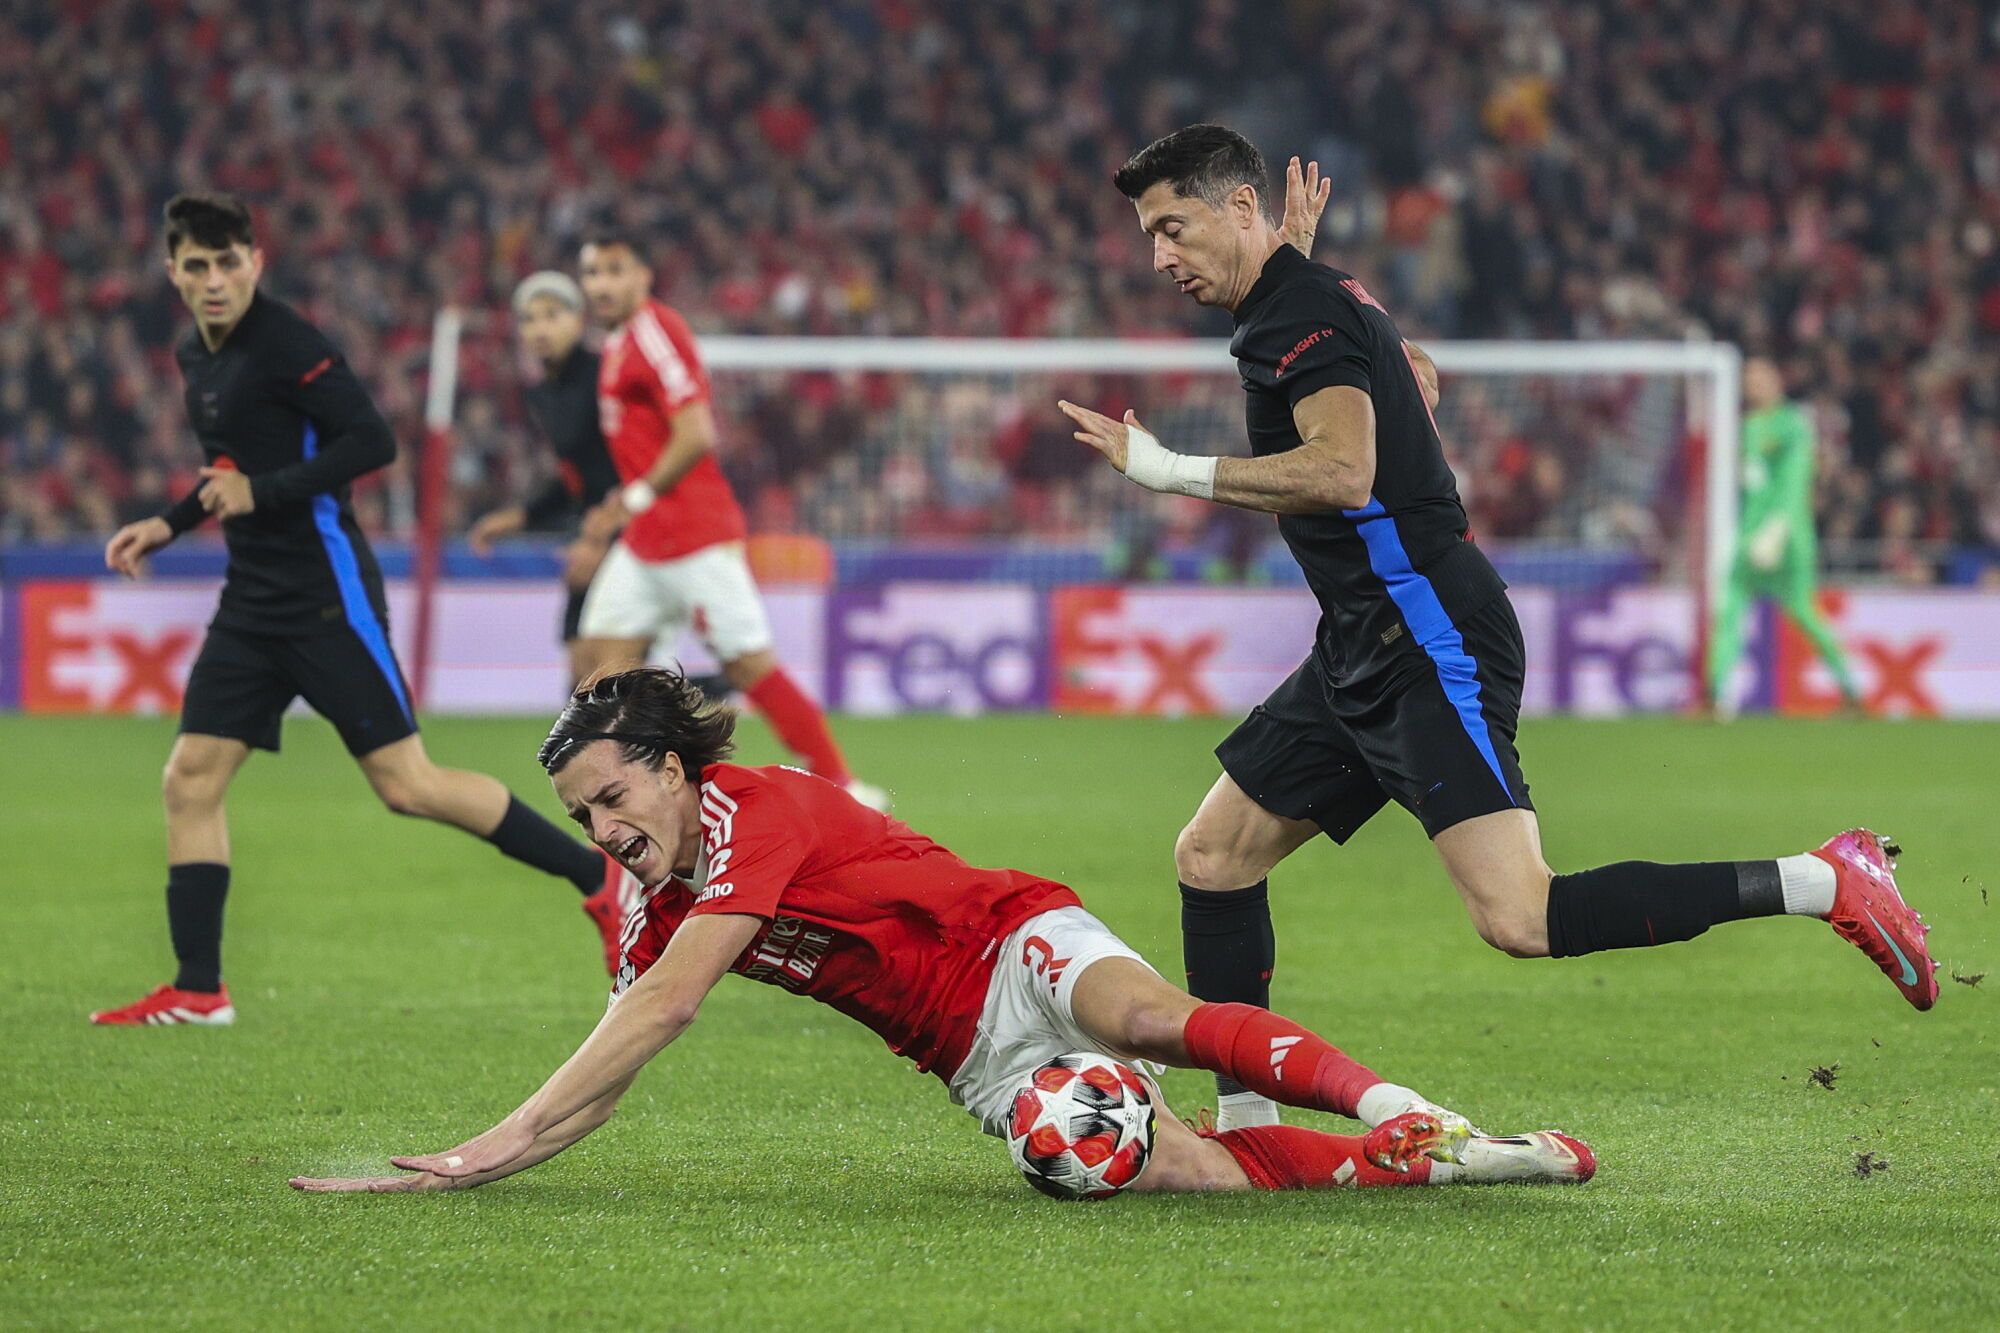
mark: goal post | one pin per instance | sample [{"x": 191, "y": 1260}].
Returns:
[
  {"x": 1602, "y": 474},
  {"x": 1630, "y": 448}
]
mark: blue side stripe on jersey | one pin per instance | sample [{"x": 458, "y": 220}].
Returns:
[
  {"x": 353, "y": 592},
  {"x": 1425, "y": 614}
]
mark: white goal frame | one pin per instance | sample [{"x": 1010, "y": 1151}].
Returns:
[{"x": 1714, "y": 369}]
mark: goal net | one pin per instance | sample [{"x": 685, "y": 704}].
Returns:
[{"x": 1589, "y": 470}]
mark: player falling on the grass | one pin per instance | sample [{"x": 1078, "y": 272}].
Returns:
[
  {"x": 1413, "y": 687},
  {"x": 286, "y": 428},
  {"x": 1777, "y": 551},
  {"x": 979, "y": 976},
  {"x": 681, "y": 557}
]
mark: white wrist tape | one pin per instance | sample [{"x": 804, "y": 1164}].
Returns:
[
  {"x": 1158, "y": 468},
  {"x": 638, "y": 497}
]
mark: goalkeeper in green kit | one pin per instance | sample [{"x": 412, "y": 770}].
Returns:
[{"x": 1776, "y": 550}]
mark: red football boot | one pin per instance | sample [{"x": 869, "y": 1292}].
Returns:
[
  {"x": 607, "y": 908},
  {"x": 1403, "y": 1140},
  {"x": 1869, "y": 912},
  {"x": 167, "y": 1006}
]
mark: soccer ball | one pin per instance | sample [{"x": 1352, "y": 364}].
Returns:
[{"x": 1082, "y": 1127}]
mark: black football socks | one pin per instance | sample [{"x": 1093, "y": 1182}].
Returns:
[
  {"x": 1637, "y": 904},
  {"x": 1227, "y": 944},
  {"x": 195, "y": 893},
  {"x": 528, "y": 837}
]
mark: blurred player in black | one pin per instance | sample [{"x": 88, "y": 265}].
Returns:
[
  {"x": 548, "y": 312},
  {"x": 1413, "y": 687},
  {"x": 286, "y": 428}
]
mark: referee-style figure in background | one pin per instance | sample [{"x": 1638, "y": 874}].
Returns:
[{"x": 286, "y": 428}]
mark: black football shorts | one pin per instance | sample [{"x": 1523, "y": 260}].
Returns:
[
  {"x": 1435, "y": 733},
  {"x": 242, "y": 683}
]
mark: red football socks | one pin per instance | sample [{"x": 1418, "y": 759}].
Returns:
[
  {"x": 1289, "y": 1157},
  {"x": 799, "y": 724},
  {"x": 1270, "y": 1054}
]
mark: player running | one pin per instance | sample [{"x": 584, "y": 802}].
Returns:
[
  {"x": 681, "y": 558},
  {"x": 1777, "y": 552},
  {"x": 1413, "y": 687},
  {"x": 286, "y": 428},
  {"x": 979, "y": 976}
]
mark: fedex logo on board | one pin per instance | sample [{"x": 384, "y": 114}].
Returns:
[{"x": 90, "y": 647}]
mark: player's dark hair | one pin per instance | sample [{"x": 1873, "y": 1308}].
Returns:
[
  {"x": 1207, "y": 162},
  {"x": 606, "y": 233},
  {"x": 216, "y": 221},
  {"x": 651, "y": 712}
]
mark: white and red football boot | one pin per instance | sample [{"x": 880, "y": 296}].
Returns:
[
  {"x": 166, "y": 1006},
  {"x": 607, "y": 908},
  {"x": 1869, "y": 912},
  {"x": 1548, "y": 1157}
]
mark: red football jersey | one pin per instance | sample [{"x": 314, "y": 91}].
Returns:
[
  {"x": 860, "y": 911},
  {"x": 649, "y": 371}
]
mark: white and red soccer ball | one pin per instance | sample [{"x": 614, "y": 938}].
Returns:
[{"x": 1082, "y": 1127}]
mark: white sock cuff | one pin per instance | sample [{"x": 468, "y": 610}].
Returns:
[
  {"x": 1808, "y": 884},
  {"x": 1383, "y": 1101}
]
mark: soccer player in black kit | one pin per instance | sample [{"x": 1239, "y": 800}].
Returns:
[
  {"x": 286, "y": 428},
  {"x": 1413, "y": 687},
  {"x": 549, "y": 314}
]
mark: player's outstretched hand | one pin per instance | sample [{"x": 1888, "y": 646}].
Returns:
[
  {"x": 489, "y": 1152},
  {"x": 225, "y": 492},
  {"x": 491, "y": 528},
  {"x": 1305, "y": 199},
  {"x": 1100, "y": 432},
  {"x": 372, "y": 1184},
  {"x": 128, "y": 548}
]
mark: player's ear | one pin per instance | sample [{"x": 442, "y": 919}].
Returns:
[
  {"x": 256, "y": 263},
  {"x": 1244, "y": 206}
]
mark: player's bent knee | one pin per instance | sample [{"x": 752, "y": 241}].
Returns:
[
  {"x": 1157, "y": 1032},
  {"x": 1204, "y": 860},
  {"x": 191, "y": 785}
]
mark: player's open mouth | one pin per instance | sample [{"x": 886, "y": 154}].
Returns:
[{"x": 633, "y": 849}]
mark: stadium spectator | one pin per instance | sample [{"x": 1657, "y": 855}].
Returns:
[{"x": 1815, "y": 181}]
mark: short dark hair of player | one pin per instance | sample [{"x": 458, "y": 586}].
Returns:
[
  {"x": 651, "y": 712},
  {"x": 605, "y": 235},
  {"x": 1208, "y": 162},
  {"x": 215, "y": 221}
]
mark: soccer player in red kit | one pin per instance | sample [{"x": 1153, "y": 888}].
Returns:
[
  {"x": 979, "y": 976},
  {"x": 681, "y": 558}
]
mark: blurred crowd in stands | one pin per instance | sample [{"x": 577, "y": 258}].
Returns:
[{"x": 1816, "y": 179}]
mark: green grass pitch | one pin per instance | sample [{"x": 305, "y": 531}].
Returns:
[{"x": 401, "y": 987}]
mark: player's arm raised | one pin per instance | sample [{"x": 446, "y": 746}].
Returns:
[{"x": 1333, "y": 469}]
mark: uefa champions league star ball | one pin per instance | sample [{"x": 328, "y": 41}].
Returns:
[{"x": 1082, "y": 1127}]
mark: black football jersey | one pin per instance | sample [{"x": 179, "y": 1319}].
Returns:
[
  {"x": 1397, "y": 573},
  {"x": 279, "y": 403}
]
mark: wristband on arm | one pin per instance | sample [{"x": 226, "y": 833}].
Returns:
[{"x": 638, "y": 496}]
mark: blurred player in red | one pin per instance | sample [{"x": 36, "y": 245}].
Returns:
[
  {"x": 681, "y": 559},
  {"x": 979, "y": 976}
]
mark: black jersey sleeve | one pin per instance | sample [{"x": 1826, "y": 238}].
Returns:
[
  {"x": 555, "y": 498},
  {"x": 186, "y": 514},
  {"x": 1319, "y": 342},
  {"x": 350, "y": 437}
]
